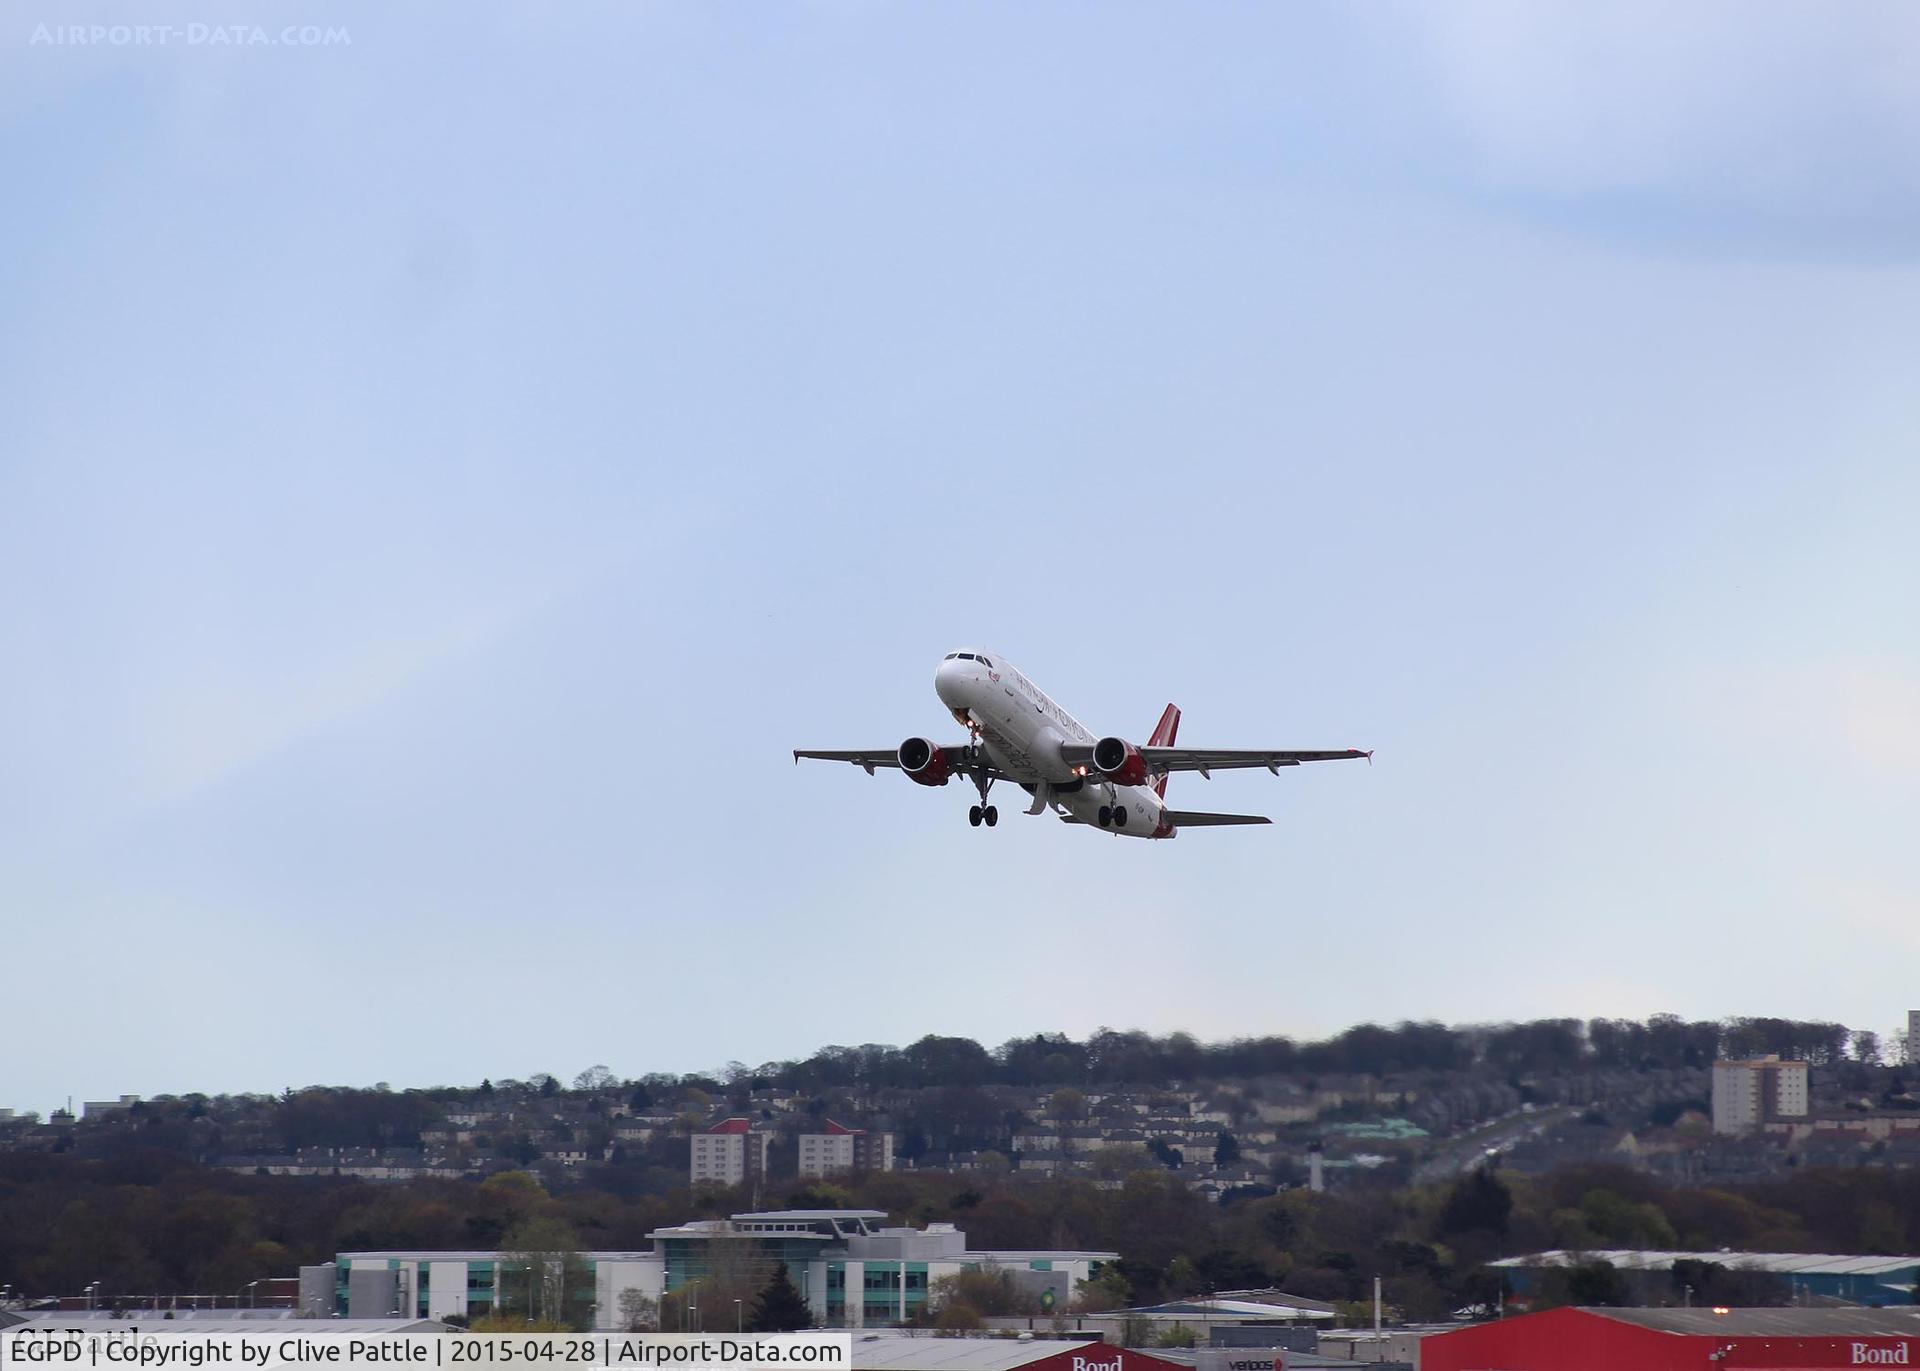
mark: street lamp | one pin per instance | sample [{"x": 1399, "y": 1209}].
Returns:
[
  {"x": 90, "y": 1293},
  {"x": 737, "y": 1316}
]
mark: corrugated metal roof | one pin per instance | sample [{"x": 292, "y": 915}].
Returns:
[
  {"x": 1777, "y": 1323},
  {"x": 1782, "y": 1263},
  {"x": 903, "y": 1352}
]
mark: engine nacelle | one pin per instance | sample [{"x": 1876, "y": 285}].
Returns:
[
  {"x": 924, "y": 763},
  {"x": 1119, "y": 761}
]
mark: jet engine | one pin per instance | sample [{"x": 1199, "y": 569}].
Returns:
[
  {"x": 924, "y": 763},
  {"x": 1119, "y": 761}
]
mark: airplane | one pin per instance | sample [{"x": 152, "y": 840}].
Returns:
[{"x": 1015, "y": 732}]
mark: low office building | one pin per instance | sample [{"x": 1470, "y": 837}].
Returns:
[
  {"x": 470, "y": 1285},
  {"x": 854, "y": 1271}
]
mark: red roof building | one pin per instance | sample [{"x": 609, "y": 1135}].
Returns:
[{"x": 1590, "y": 1339}]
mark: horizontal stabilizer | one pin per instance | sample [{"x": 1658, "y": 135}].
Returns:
[{"x": 1191, "y": 818}]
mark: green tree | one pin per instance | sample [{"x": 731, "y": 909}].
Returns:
[
  {"x": 781, "y": 1307},
  {"x": 956, "y": 1320},
  {"x": 1107, "y": 1290},
  {"x": 820, "y": 1195},
  {"x": 1594, "y": 1282},
  {"x": 1478, "y": 1202},
  {"x": 545, "y": 1280},
  {"x": 638, "y": 1313},
  {"x": 1114, "y": 1163},
  {"x": 990, "y": 1292},
  {"x": 1226, "y": 1149}
]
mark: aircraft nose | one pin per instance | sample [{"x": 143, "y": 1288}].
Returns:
[{"x": 949, "y": 682}]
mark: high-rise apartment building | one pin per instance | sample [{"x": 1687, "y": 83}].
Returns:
[
  {"x": 840, "y": 1148},
  {"x": 730, "y": 1153},
  {"x": 1747, "y": 1094}
]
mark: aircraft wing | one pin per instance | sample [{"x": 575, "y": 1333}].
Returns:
[
  {"x": 1208, "y": 760},
  {"x": 869, "y": 758}
]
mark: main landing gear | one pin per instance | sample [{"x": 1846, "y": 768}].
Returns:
[
  {"x": 982, "y": 813},
  {"x": 1113, "y": 816}
]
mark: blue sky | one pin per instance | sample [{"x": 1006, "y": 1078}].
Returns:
[{"x": 443, "y": 474}]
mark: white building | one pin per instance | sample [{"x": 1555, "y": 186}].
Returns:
[
  {"x": 854, "y": 1272},
  {"x": 1747, "y": 1094},
  {"x": 729, "y": 1153},
  {"x": 844, "y": 1149}
]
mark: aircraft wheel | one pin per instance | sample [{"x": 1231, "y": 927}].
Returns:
[
  {"x": 1119, "y": 816},
  {"x": 991, "y": 815},
  {"x": 1106, "y": 815},
  {"x": 973, "y": 816}
]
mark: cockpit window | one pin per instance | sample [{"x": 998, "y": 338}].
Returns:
[
  {"x": 966, "y": 656},
  {"x": 949, "y": 657},
  {"x": 985, "y": 663}
]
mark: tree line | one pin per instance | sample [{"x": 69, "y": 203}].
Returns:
[
  {"x": 155, "y": 1224},
  {"x": 1111, "y": 1057},
  {"x": 953, "y": 1075}
]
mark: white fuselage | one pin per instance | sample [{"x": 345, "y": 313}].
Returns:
[{"x": 1022, "y": 730}]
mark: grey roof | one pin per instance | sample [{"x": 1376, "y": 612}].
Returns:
[
  {"x": 1781, "y": 1263},
  {"x": 807, "y": 1215},
  {"x": 64, "y": 1316},
  {"x": 1240, "y": 1305},
  {"x": 151, "y": 1323},
  {"x": 874, "y": 1351},
  {"x": 1777, "y": 1323},
  {"x": 477, "y": 1254}
]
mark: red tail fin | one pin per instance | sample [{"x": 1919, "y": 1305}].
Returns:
[{"x": 1163, "y": 735}]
